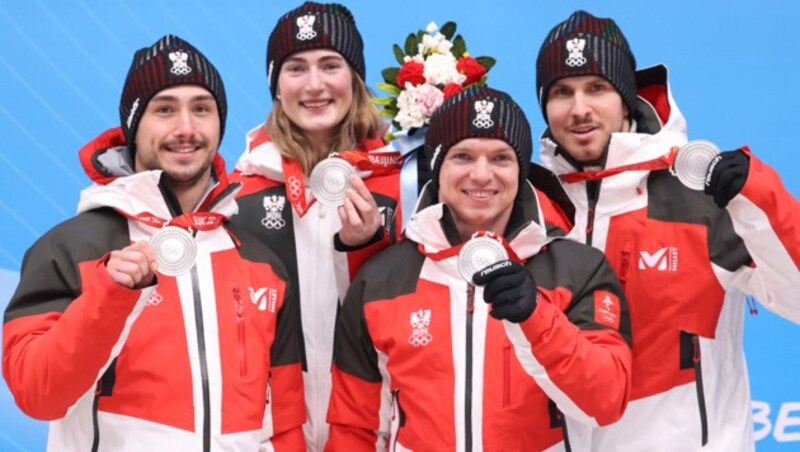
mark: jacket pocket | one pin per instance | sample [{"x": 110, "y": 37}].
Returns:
[{"x": 241, "y": 338}]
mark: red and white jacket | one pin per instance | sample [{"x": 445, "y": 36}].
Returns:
[
  {"x": 420, "y": 365},
  {"x": 685, "y": 265},
  {"x": 208, "y": 360},
  {"x": 303, "y": 237}
]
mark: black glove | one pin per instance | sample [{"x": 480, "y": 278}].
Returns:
[
  {"x": 510, "y": 288},
  {"x": 726, "y": 176}
]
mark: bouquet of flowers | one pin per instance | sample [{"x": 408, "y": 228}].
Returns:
[{"x": 434, "y": 65}]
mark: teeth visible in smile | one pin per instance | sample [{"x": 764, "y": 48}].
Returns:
[
  {"x": 479, "y": 193},
  {"x": 182, "y": 150},
  {"x": 316, "y": 104}
]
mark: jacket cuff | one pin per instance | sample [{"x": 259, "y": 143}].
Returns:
[{"x": 338, "y": 245}]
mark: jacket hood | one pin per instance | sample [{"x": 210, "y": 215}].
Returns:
[
  {"x": 659, "y": 126},
  {"x": 433, "y": 228},
  {"x": 263, "y": 158},
  {"x": 109, "y": 164}
]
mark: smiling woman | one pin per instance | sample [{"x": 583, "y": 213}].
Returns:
[{"x": 321, "y": 110}]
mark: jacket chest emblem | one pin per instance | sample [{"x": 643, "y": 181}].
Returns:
[
  {"x": 420, "y": 322},
  {"x": 273, "y": 205},
  {"x": 154, "y": 299},
  {"x": 664, "y": 259},
  {"x": 265, "y": 298}
]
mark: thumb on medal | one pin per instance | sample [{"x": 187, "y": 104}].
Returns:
[
  {"x": 510, "y": 288},
  {"x": 726, "y": 176}
]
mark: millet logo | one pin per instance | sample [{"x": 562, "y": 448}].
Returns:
[{"x": 665, "y": 259}]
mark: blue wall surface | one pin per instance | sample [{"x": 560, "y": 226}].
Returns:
[{"x": 734, "y": 73}]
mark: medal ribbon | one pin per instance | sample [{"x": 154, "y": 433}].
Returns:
[
  {"x": 660, "y": 163},
  {"x": 453, "y": 251},
  {"x": 201, "y": 221}
]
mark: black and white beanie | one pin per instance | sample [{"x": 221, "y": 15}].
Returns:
[
  {"x": 314, "y": 26},
  {"x": 586, "y": 45},
  {"x": 169, "y": 62},
  {"x": 478, "y": 112}
]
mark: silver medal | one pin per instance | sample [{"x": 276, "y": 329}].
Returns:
[
  {"x": 330, "y": 180},
  {"x": 175, "y": 250},
  {"x": 479, "y": 253},
  {"x": 692, "y": 161}
]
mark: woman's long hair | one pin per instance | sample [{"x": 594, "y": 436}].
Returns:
[{"x": 361, "y": 122}]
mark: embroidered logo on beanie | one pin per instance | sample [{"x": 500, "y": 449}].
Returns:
[{"x": 169, "y": 62}]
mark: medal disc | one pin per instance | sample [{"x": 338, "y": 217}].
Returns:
[
  {"x": 691, "y": 163},
  {"x": 175, "y": 250},
  {"x": 330, "y": 180},
  {"x": 479, "y": 253}
]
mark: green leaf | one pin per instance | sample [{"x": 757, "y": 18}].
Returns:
[
  {"x": 391, "y": 89},
  {"x": 448, "y": 30},
  {"x": 382, "y": 100},
  {"x": 390, "y": 75},
  {"x": 389, "y": 137},
  {"x": 384, "y": 113},
  {"x": 411, "y": 44},
  {"x": 459, "y": 47},
  {"x": 487, "y": 62},
  {"x": 398, "y": 54}
]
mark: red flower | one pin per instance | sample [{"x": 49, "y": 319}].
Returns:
[
  {"x": 471, "y": 68},
  {"x": 451, "y": 89},
  {"x": 411, "y": 72}
]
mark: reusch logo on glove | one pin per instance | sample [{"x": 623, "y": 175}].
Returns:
[
  {"x": 606, "y": 309},
  {"x": 495, "y": 267}
]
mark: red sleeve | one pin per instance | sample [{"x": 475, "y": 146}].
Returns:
[
  {"x": 585, "y": 372},
  {"x": 51, "y": 358},
  {"x": 353, "y": 413}
]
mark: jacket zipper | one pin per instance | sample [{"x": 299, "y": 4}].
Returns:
[
  {"x": 468, "y": 378},
  {"x": 701, "y": 400},
  {"x": 104, "y": 388},
  {"x": 592, "y": 194},
  {"x": 240, "y": 332},
  {"x": 201, "y": 348},
  {"x": 506, "y": 373},
  {"x": 95, "y": 422},
  {"x": 401, "y": 415}
]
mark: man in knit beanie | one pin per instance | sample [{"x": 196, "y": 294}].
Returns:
[
  {"x": 469, "y": 350},
  {"x": 132, "y": 328},
  {"x": 685, "y": 253}
]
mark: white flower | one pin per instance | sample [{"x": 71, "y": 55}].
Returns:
[
  {"x": 416, "y": 104},
  {"x": 431, "y": 27},
  {"x": 441, "y": 69}
]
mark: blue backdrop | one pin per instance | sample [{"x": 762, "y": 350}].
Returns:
[{"x": 734, "y": 67}]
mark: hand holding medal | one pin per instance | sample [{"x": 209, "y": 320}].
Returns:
[{"x": 134, "y": 266}]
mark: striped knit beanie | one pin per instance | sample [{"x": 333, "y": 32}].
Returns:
[
  {"x": 314, "y": 26},
  {"x": 586, "y": 45},
  {"x": 478, "y": 112},
  {"x": 169, "y": 62}
]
